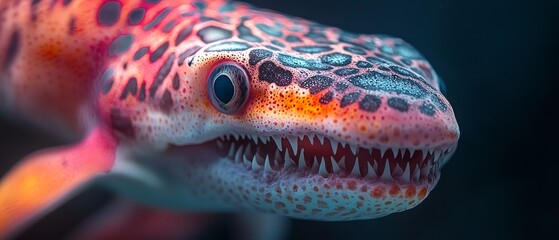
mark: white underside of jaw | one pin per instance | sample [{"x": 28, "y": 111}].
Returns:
[{"x": 291, "y": 154}]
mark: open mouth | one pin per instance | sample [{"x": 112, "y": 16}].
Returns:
[{"x": 322, "y": 156}]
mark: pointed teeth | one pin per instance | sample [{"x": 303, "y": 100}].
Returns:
[
  {"x": 239, "y": 154},
  {"x": 302, "y": 164},
  {"x": 423, "y": 154},
  {"x": 246, "y": 162},
  {"x": 263, "y": 139},
  {"x": 334, "y": 146},
  {"x": 416, "y": 173},
  {"x": 386, "y": 172},
  {"x": 406, "y": 175},
  {"x": 231, "y": 150},
  {"x": 353, "y": 149},
  {"x": 320, "y": 139},
  {"x": 237, "y": 137},
  {"x": 267, "y": 166},
  {"x": 371, "y": 173},
  {"x": 220, "y": 144},
  {"x": 383, "y": 151},
  {"x": 335, "y": 167},
  {"x": 322, "y": 169},
  {"x": 341, "y": 163},
  {"x": 293, "y": 142},
  {"x": 276, "y": 140},
  {"x": 255, "y": 164},
  {"x": 288, "y": 161},
  {"x": 355, "y": 171}
]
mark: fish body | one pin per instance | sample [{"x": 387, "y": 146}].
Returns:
[{"x": 219, "y": 106}]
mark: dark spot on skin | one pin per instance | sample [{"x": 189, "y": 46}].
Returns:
[
  {"x": 315, "y": 34},
  {"x": 142, "y": 95},
  {"x": 277, "y": 43},
  {"x": 72, "y": 26},
  {"x": 131, "y": 88},
  {"x": 439, "y": 103},
  {"x": 35, "y": 2},
  {"x": 122, "y": 123},
  {"x": 406, "y": 61},
  {"x": 176, "y": 81},
  {"x": 200, "y": 5},
  {"x": 258, "y": 55},
  {"x": 347, "y": 40},
  {"x": 156, "y": 55},
  {"x": 398, "y": 104},
  {"x": 228, "y": 7},
  {"x": 136, "y": 16},
  {"x": 349, "y": 98},
  {"x": 157, "y": 19},
  {"x": 387, "y": 49},
  {"x": 296, "y": 62},
  {"x": 370, "y": 103},
  {"x": 162, "y": 74},
  {"x": 363, "y": 64},
  {"x": 341, "y": 86},
  {"x": 153, "y": 1},
  {"x": 228, "y": 46},
  {"x": 377, "y": 81},
  {"x": 246, "y": 34},
  {"x": 404, "y": 72},
  {"x": 13, "y": 49},
  {"x": 272, "y": 48},
  {"x": 336, "y": 59},
  {"x": 212, "y": 33},
  {"x": 107, "y": 80},
  {"x": 389, "y": 59},
  {"x": 317, "y": 83},
  {"x": 125, "y": 66},
  {"x": 271, "y": 73},
  {"x": 140, "y": 53},
  {"x": 377, "y": 61},
  {"x": 292, "y": 38},
  {"x": 183, "y": 34},
  {"x": 270, "y": 30},
  {"x": 327, "y": 98},
  {"x": 66, "y": 2},
  {"x": 121, "y": 44},
  {"x": 407, "y": 51},
  {"x": 355, "y": 50},
  {"x": 109, "y": 13},
  {"x": 312, "y": 49},
  {"x": 427, "y": 109},
  {"x": 426, "y": 70},
  {"x": 189, "y": 52},
  {"x": 169, "y": 26},
  {"x": 346, "y": 71},
  {"x": 166, "y": 103}
]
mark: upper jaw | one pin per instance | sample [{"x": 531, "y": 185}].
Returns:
[{"x": 317, "y": 155}]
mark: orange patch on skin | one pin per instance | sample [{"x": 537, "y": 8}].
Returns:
[
  {"x": 422, "y": 193},
  {"x": 378, "y": 192},
  {"x": 394, "y": 190},
  {"x": 352, "y": 185},
  {"x": 410, "y": 192}
]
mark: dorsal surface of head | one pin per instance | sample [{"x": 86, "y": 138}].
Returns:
[{"x": 312, "y": 121}]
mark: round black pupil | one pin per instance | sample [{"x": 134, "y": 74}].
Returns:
[{"x": 224, "y": 89}]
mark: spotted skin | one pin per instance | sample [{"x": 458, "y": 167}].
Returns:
[{"x": 141, "y": 69}]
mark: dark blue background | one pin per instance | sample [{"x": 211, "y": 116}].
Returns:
[{"x": 498, "y": 59}]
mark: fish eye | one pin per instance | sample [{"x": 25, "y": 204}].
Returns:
[{"x": 228, "y": 87}]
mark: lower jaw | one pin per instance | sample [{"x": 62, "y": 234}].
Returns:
[{"x": 311, "y": 196}]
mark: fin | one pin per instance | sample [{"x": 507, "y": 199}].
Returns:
[
  {"x": 44, "y": 179},
  {"x": 123, "y": 219}
]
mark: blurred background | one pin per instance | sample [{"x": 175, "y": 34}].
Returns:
[{"x": 499, "y": 61}]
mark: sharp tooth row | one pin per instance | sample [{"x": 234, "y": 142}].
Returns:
[{"x": 246, "y": 156}]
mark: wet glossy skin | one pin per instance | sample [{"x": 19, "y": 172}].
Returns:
[{"x": 328, "y": 125}]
